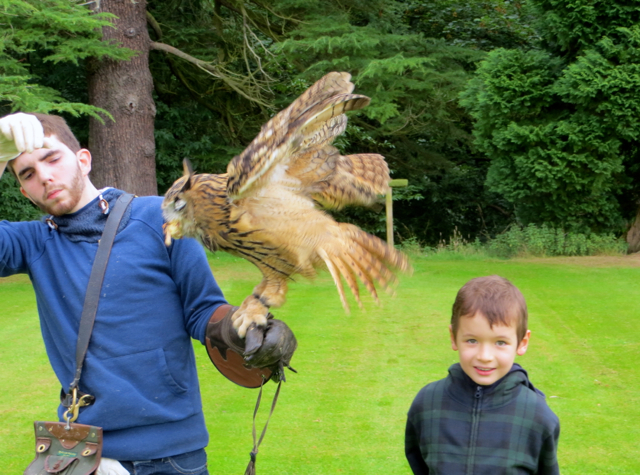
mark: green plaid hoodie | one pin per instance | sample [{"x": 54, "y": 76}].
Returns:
[{"x": 455, "y": 427}]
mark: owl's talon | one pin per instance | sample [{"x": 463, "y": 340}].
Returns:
[{"x": 245, "y": 320}]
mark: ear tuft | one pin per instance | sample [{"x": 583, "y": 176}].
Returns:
[
  {"x": 187, "y": 167},
  {"x": 188, "y": 172}
]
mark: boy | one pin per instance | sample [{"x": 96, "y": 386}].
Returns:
[{"x": 485, "y": 417}]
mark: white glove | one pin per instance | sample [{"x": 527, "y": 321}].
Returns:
[
  {"x": 19, "y": 133},
  {"x": 111, "y": 467}
]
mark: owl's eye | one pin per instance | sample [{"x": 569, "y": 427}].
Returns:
[{"x": 179, "y": 204}]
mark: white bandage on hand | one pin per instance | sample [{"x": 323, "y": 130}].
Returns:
[
  {"x": 111, "y": 467},
  {"x": 19, "y": 133}
]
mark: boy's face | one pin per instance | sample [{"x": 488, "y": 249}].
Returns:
[
  {"x": 54, "y": 177},
  {"x": 486, "y": 354}
]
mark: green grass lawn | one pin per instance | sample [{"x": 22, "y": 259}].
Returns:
[{"x": 344, "y": 412}]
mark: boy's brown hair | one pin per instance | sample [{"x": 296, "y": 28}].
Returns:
[
  {"x": 55, "y": 125},
  {"x": 499, "y": 301}
]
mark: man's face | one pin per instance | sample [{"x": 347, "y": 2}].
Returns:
[
  {"x": 486, "y": 354},
  {"x": 54, "y": 178}
]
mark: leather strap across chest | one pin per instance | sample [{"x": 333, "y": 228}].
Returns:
[{"x": 96, "y": 280}]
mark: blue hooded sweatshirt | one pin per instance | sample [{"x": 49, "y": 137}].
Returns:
[{"x": 140, "y": 365}]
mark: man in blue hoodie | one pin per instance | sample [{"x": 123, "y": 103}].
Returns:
[
  {"x": 485, "y": 417},
  {"x": 140, "y": 364}
]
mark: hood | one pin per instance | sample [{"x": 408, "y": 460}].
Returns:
[
  {"x": 464, "y": 388},
  {"x": 87, "y": 223}
]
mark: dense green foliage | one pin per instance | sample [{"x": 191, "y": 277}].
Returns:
[
  {"x": 260, "y": 57},
  {"x": 211, "y": 115},
  {"x": 546, "y": 134},
  {"x": 570, "y": 28},
  {"x": 561, "y": 122},
  {"x": 483, "y": 25},
  {"x": 14, "y": 206},
  {"x": 405, "y": 55},
  {"x": 53, "y": 31}
]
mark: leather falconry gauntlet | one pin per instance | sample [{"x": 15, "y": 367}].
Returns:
[{"x": 261, "y": 355}]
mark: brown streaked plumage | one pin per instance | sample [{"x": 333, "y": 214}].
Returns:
[{"x": 266, "y": 207}]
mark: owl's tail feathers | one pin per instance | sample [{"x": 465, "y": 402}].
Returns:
[{"x": 365, "y": 258}]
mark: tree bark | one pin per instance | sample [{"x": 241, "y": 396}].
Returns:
[
  {"x": 124, "y": 151},
  {"x": 633, "y": 235}
]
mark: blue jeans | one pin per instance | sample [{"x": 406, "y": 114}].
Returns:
[{"x": 191, "y": 463}]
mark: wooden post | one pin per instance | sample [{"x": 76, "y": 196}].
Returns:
[
  {"x": 398, "y": 183},
  {"x": 390, "y": 217}
]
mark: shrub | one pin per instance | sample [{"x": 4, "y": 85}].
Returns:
[
  {"x": 543, "y": 241},
  {"x": 519, "y": 241},
  {"x": 455, "y": 247}
]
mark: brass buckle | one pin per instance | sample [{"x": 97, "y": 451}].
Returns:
[{"x": 74, "y": 408}]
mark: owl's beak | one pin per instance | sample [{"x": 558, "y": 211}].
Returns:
[{"x": 171, "y": 230}]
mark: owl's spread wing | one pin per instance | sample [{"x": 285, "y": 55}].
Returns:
[
  {"x": 334, "y": 180},
  {"x": 298, "y": 141},
  {"x": 290, "y": 165}
]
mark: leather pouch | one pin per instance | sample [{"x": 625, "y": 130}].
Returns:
[{"x": 66, "y": 451}]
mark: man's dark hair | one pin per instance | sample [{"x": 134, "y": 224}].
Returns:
[
  {"x": 55, "y": 125},
  {"x": 497, "y": 299}
]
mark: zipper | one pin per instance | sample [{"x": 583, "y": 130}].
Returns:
[{"x": 475, "y": 422}]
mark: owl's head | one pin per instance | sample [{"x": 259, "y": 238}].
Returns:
[{"x": 176, "y": 209}]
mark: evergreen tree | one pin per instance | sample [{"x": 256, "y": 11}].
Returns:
[
  {"x": 413, "y": 58},
  {"x": 40, "y": 39},
  {"x": 221, "y": 68},
  {"x": 560, "y": 122},
  {"x": 478, "y": 24},
  {"x": 55, "y": 32}
]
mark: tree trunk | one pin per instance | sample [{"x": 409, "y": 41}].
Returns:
[
  {"x": 633, "y": 235},
  {"x": 124, "y": 151}
]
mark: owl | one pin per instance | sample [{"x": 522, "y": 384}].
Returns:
[{"x": 269, "y": 206}]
